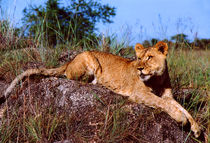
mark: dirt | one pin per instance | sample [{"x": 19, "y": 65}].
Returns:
[{"x": 93, "y": 111}]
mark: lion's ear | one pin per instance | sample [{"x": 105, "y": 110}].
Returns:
[
  {"x": 162, "y": 47},
  {"x": 138, "y": 47}
]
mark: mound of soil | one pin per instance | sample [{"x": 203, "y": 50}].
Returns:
[{"x": 91, "y": 113}]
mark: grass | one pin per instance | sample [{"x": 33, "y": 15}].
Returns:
[
  {"x": 189, "y": 68},
  {"x": 189, "y": 71}
]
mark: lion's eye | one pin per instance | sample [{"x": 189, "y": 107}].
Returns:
[
  {"x": 149, "y": 57},
  {"x": 139, "y": 59}
]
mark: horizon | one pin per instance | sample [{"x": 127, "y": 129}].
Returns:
[{"x": 142, "y": 20}]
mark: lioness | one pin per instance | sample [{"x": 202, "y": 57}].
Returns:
[{"x": 138, "y": 79}]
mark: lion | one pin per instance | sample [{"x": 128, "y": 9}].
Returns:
[{"x": 144, "y": 80}]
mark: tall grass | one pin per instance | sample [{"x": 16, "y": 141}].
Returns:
[
  {"x": 190, "y": 67},
  {"x": 189, "y": 71}
]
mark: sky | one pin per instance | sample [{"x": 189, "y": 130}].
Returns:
[{"x": 137, "y": 20}]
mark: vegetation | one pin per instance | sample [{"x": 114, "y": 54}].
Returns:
[
  {"x": 73, "y": 23},
  {"x": 68, "y": 28},
  {"x": 180, "y": 38}
]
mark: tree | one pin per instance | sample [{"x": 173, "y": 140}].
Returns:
[
  {"x": 202, "y": 43},
  {"x": 146, "y": 43},
  {"x": 154, "y": 41},
  {"x": 179, "y": 38},
  {"x": 71, "y": 23}
]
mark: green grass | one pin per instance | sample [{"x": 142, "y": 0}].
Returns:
[{"x": 188, "y": 69}]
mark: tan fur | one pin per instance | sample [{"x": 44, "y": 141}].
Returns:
[{"x": 138, "y": 79}]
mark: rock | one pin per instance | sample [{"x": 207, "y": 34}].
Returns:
[{"x": 91, "y": 113}]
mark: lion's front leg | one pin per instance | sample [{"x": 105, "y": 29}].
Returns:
[
  {"x": 194, "y": 125},
  {"x": 168, "y": 97},
  {"x": 167, "y": 93},
  {"x": 154, "y": 101},
  {"x": 168, "y": 105}
]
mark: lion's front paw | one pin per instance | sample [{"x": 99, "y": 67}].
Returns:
[{"x": 196, "y": 129}]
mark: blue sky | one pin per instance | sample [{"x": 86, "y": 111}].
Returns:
[{"x": 137, "y": 20}]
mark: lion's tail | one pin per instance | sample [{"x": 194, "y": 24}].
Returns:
[{"x": 42, "y": 71}]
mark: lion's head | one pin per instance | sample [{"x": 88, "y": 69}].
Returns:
[{"x": 151, "y": 61}]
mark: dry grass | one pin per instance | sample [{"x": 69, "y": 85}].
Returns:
[{"x": 189, "y": 70}]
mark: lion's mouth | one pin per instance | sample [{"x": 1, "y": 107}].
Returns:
[{"x": 145, "y": 77}]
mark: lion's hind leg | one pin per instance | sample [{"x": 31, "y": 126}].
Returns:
[{"x": 83, "y": 64}]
